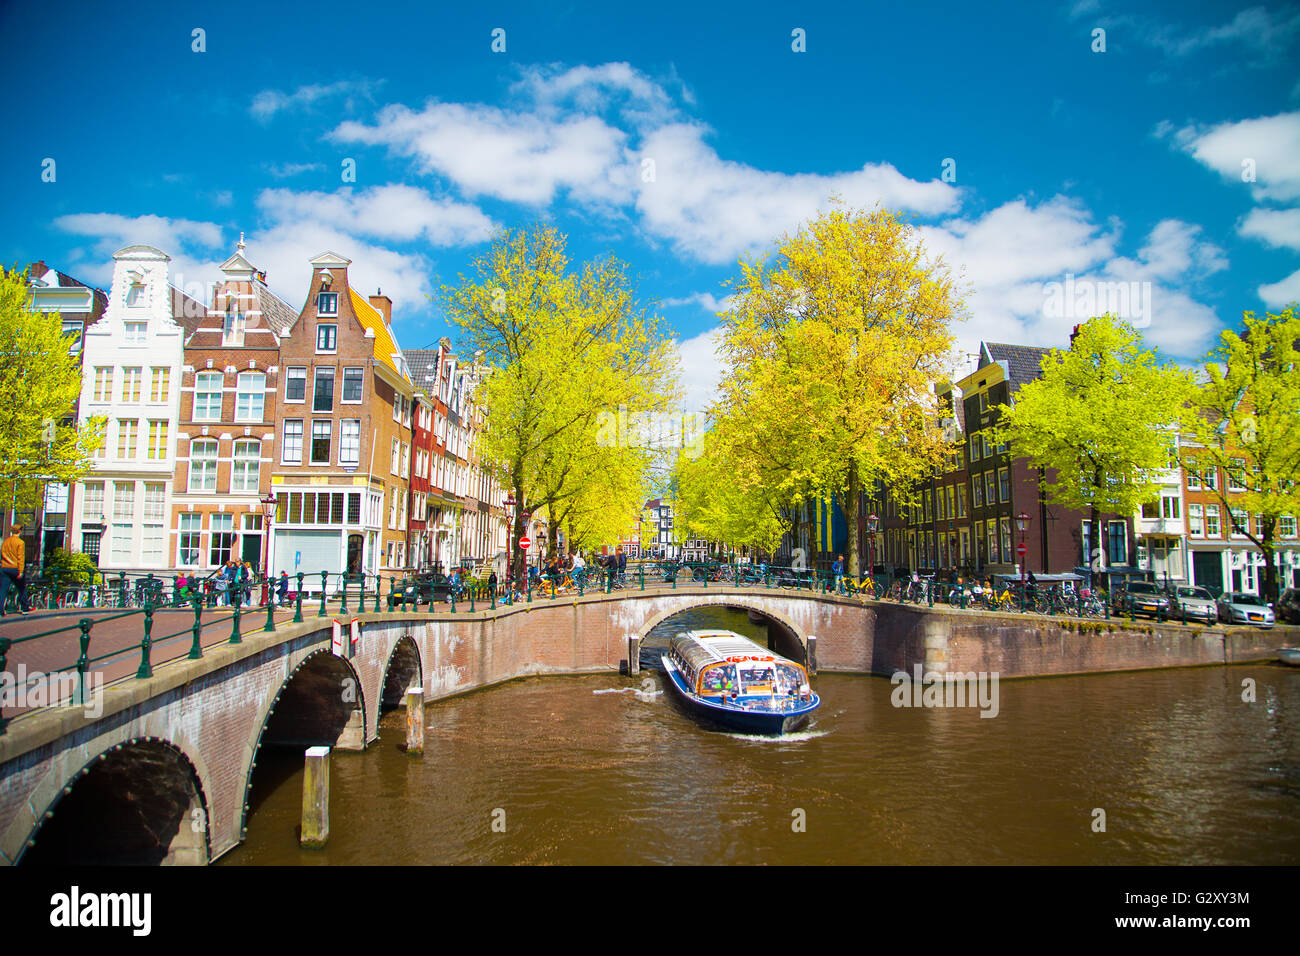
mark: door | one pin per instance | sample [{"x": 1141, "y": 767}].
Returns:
[
  {"x": 1208, "y": 567},
  {"x": 252, "y": 550},
  {"x": 354, "y": 553}
]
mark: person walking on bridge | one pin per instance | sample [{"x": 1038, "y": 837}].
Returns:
[{"x": 13, "y": 554}]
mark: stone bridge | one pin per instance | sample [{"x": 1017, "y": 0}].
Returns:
[{"x": 162, "y": 770}]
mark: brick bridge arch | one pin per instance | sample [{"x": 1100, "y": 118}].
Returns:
[
  {"x": 758, "y": 606},
  {"x": 176, "y": 806}
]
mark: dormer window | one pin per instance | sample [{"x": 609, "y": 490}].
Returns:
[
  {"x": 327, "y": 303},
  {"x": 232, "y": 332},
  {"x": 135, "y": 295}
]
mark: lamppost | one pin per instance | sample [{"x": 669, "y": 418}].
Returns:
[
  {"x": 268, "y": 512},
  {"x": 873, "y": 522},
  {"x": 1022, "y": 550}
]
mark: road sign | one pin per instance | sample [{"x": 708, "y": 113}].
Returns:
[
  {"x": 1022, "y": 549},
  {"x": 525, "y": 542}
]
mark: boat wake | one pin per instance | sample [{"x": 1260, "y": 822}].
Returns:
[
  {"x": 794, "y": 738},
  {"x": 641, "y": 694}
]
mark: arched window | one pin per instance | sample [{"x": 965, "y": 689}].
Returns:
[{"x": 248, "y": 455}]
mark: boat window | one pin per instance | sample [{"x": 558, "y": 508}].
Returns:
[
  {"x": 718, "y": 680},
  {"x": 757, "y": 675},
  {"x": 791, "y": 677}
]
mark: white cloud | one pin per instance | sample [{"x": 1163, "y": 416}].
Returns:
[
  {"x": 285, "y": 170},
  {"x": 1257, "y": 28},
  {"x": 701, "y": 371},
  {"x": 1283, "y": 293},
  {"x": 269, "y": 102},
  {"x": 705, "y": 300},
  {"x": 394, "y": 212},
  {"x": 713, "y": 209},
  {"x": 190, "y": 244},
  {"x": 1279, "y": 228},
  {"x": 1268, "y": 145}
]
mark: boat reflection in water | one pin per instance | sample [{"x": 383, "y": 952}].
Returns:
[{"x": 729, "y": 680}]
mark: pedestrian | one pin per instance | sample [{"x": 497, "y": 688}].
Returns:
[
  {"x": 13, "y": 554},
  {"x": 837, "y": 569},
  {"x": 622, "y": 566},
  {"x": 246, "y": 576},
  {"x": 284, "y": 588}
]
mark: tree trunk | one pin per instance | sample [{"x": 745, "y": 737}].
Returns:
[
  {"x": 1270, "y": 591},
  {"x": 851, "y": 507}
]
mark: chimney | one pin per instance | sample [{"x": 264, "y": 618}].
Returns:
[{"x": 383, "y": 305}]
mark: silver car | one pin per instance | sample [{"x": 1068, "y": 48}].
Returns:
[
  {"x": 1240, "y": 607},
  {"x": 1194, "y": 604}
]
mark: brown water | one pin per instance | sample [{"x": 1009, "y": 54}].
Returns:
[{"x": 591, "y": 770}]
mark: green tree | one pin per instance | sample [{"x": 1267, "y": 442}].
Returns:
[
  {"x": 563, "y": 346},
  {"x": 1247, "y": 423},
  {"x": 40, "y": 381},
  {"x": 828, "y": 356},
  {"x": 1101, "y": 422}
]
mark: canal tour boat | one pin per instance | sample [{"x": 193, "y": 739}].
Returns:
[{"x": 729, "y": 680}]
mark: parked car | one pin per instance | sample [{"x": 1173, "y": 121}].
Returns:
[
  {"x": 1195, "y": 604},
  {"x": 1141, "y": 597},
  {"x": 425, "y": 587},
  {"x": 1240, "y": 607},
  {"x": 1288, "y": 606}
]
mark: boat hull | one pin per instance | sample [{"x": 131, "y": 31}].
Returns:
[
  {"x": 1289, "y": 655},
  {"x": 754, "y": 721}
]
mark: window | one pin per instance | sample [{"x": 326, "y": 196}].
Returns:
[
  {"x": 994, "y": 556},
  {"x": 189, "y": 539},
  {"x": 1193, "y": 475},
  {"x": 984, "y": 401},
  {"x": 1117, "y": 543},
  {"x": 392, "y": 510},
  {"x": 327, "y": 303},
  {"x": 987, "y": 446},
  {"x": 1212, "y": 521},
  {"x": 396, "y": 453},
  {"x": 103, "y": 384},
  {"x": 72, "y": 329},
  {"x": 203, "y": 465},
  {"x": 127, "y": 429},
  {"x": 152, "y": 549},
  {"x": 320, "y": 442},
  {"x": 350, "y": 442},
  {"x": 223, "y": 539},
  {"x": 323, "y": 397},
  {"x": 352, "y": 379},
  {"x": 977, "y": 491},
  {"x": 326, "y": 337},
  {"x": 951, "y": 495},
  {"x": 1195, "y": 527},
  {"x": 121, "y": 543},
  {"x": 135, "y": 295},
  {"x": 1005, "y": 525},
  {"x": 406, "y": 460},
  {"x": 157, "y": 449},
  {"x": 1169, "y": 507},
  {"x": 92, "y": 502},
  {"x": 974, "y": 448},
  {"x": 90, "y": 545},
  {"x": 232, "y": 329},
  {"x": 1237, "y": 474},
  {"x": 354, "y": 509},
  {"x": 136, "y": 333},
  {"x": 1211, "y": 478},
  {"x": 990, "y": 487},
  {"x": 250, "y": 396},
  {"x": 291, "y": 447},
  {"x": 1285, "y": 526},
  {"x": 161, "y": 381},
  {"x": 295, "y": 385},
  {"x": 124, "y": 501},
  {"x": 207, "y": 397},
  {"x": 961, "y": 501},
  {"x": 247, "y": 463},
  {"x": 1240, "y": 522},
  {"x": 1004, "y": 484},
  {"x": 131, "y": 378}
]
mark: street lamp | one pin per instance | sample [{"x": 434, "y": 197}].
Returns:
[
  {"x": 268, "y": 512},
  {"x": 873, "y": 522},
  {"x": 1022, "y": 551}
]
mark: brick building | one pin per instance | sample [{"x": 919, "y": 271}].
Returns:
[
  {"x": 342, "y": 474},
  {"x": 227, "y": 436}
]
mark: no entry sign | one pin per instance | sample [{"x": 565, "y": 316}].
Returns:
[
  {"x": 525, "y": 542},
  {"x": 1022, "y": 549}
]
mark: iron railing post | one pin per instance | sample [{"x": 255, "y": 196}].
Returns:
[
  {"x": 234, "y": 627},
  {"x": 324, "y": 582},
  {"x": 146, "y": 643},
  {"x": 297, "y": 614},
  {"x": 196, "y": 648}
]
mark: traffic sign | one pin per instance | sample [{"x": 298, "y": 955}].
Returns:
[
  {"x": 1022, "y": 549},
  {"x": 525, "y": 542}
]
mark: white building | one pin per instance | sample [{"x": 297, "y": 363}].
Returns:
[
  {"x": 1160, "y": 531},
  {"x": 131, "y": 366}
]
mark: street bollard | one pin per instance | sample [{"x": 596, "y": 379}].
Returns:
[
  {"x": 316, "y": 797},
  {"x": 641, "y": 575},
  {"x": 633, "y": 655},
  {"x": 472, "y": 608},
  {"x": 529, "y": 579}
]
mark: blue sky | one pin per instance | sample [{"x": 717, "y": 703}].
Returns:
[{"x": 1115, "y": 166}]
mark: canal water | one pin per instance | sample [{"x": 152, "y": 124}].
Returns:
[{"x": 609, "y": 769}]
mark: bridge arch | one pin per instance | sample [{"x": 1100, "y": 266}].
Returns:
[
  {"x": 320, "y": 702},
  {"x": 141, "y": 801},
  {"x": 789, "y": 638},
  {"x": 404, "y": 669}
]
